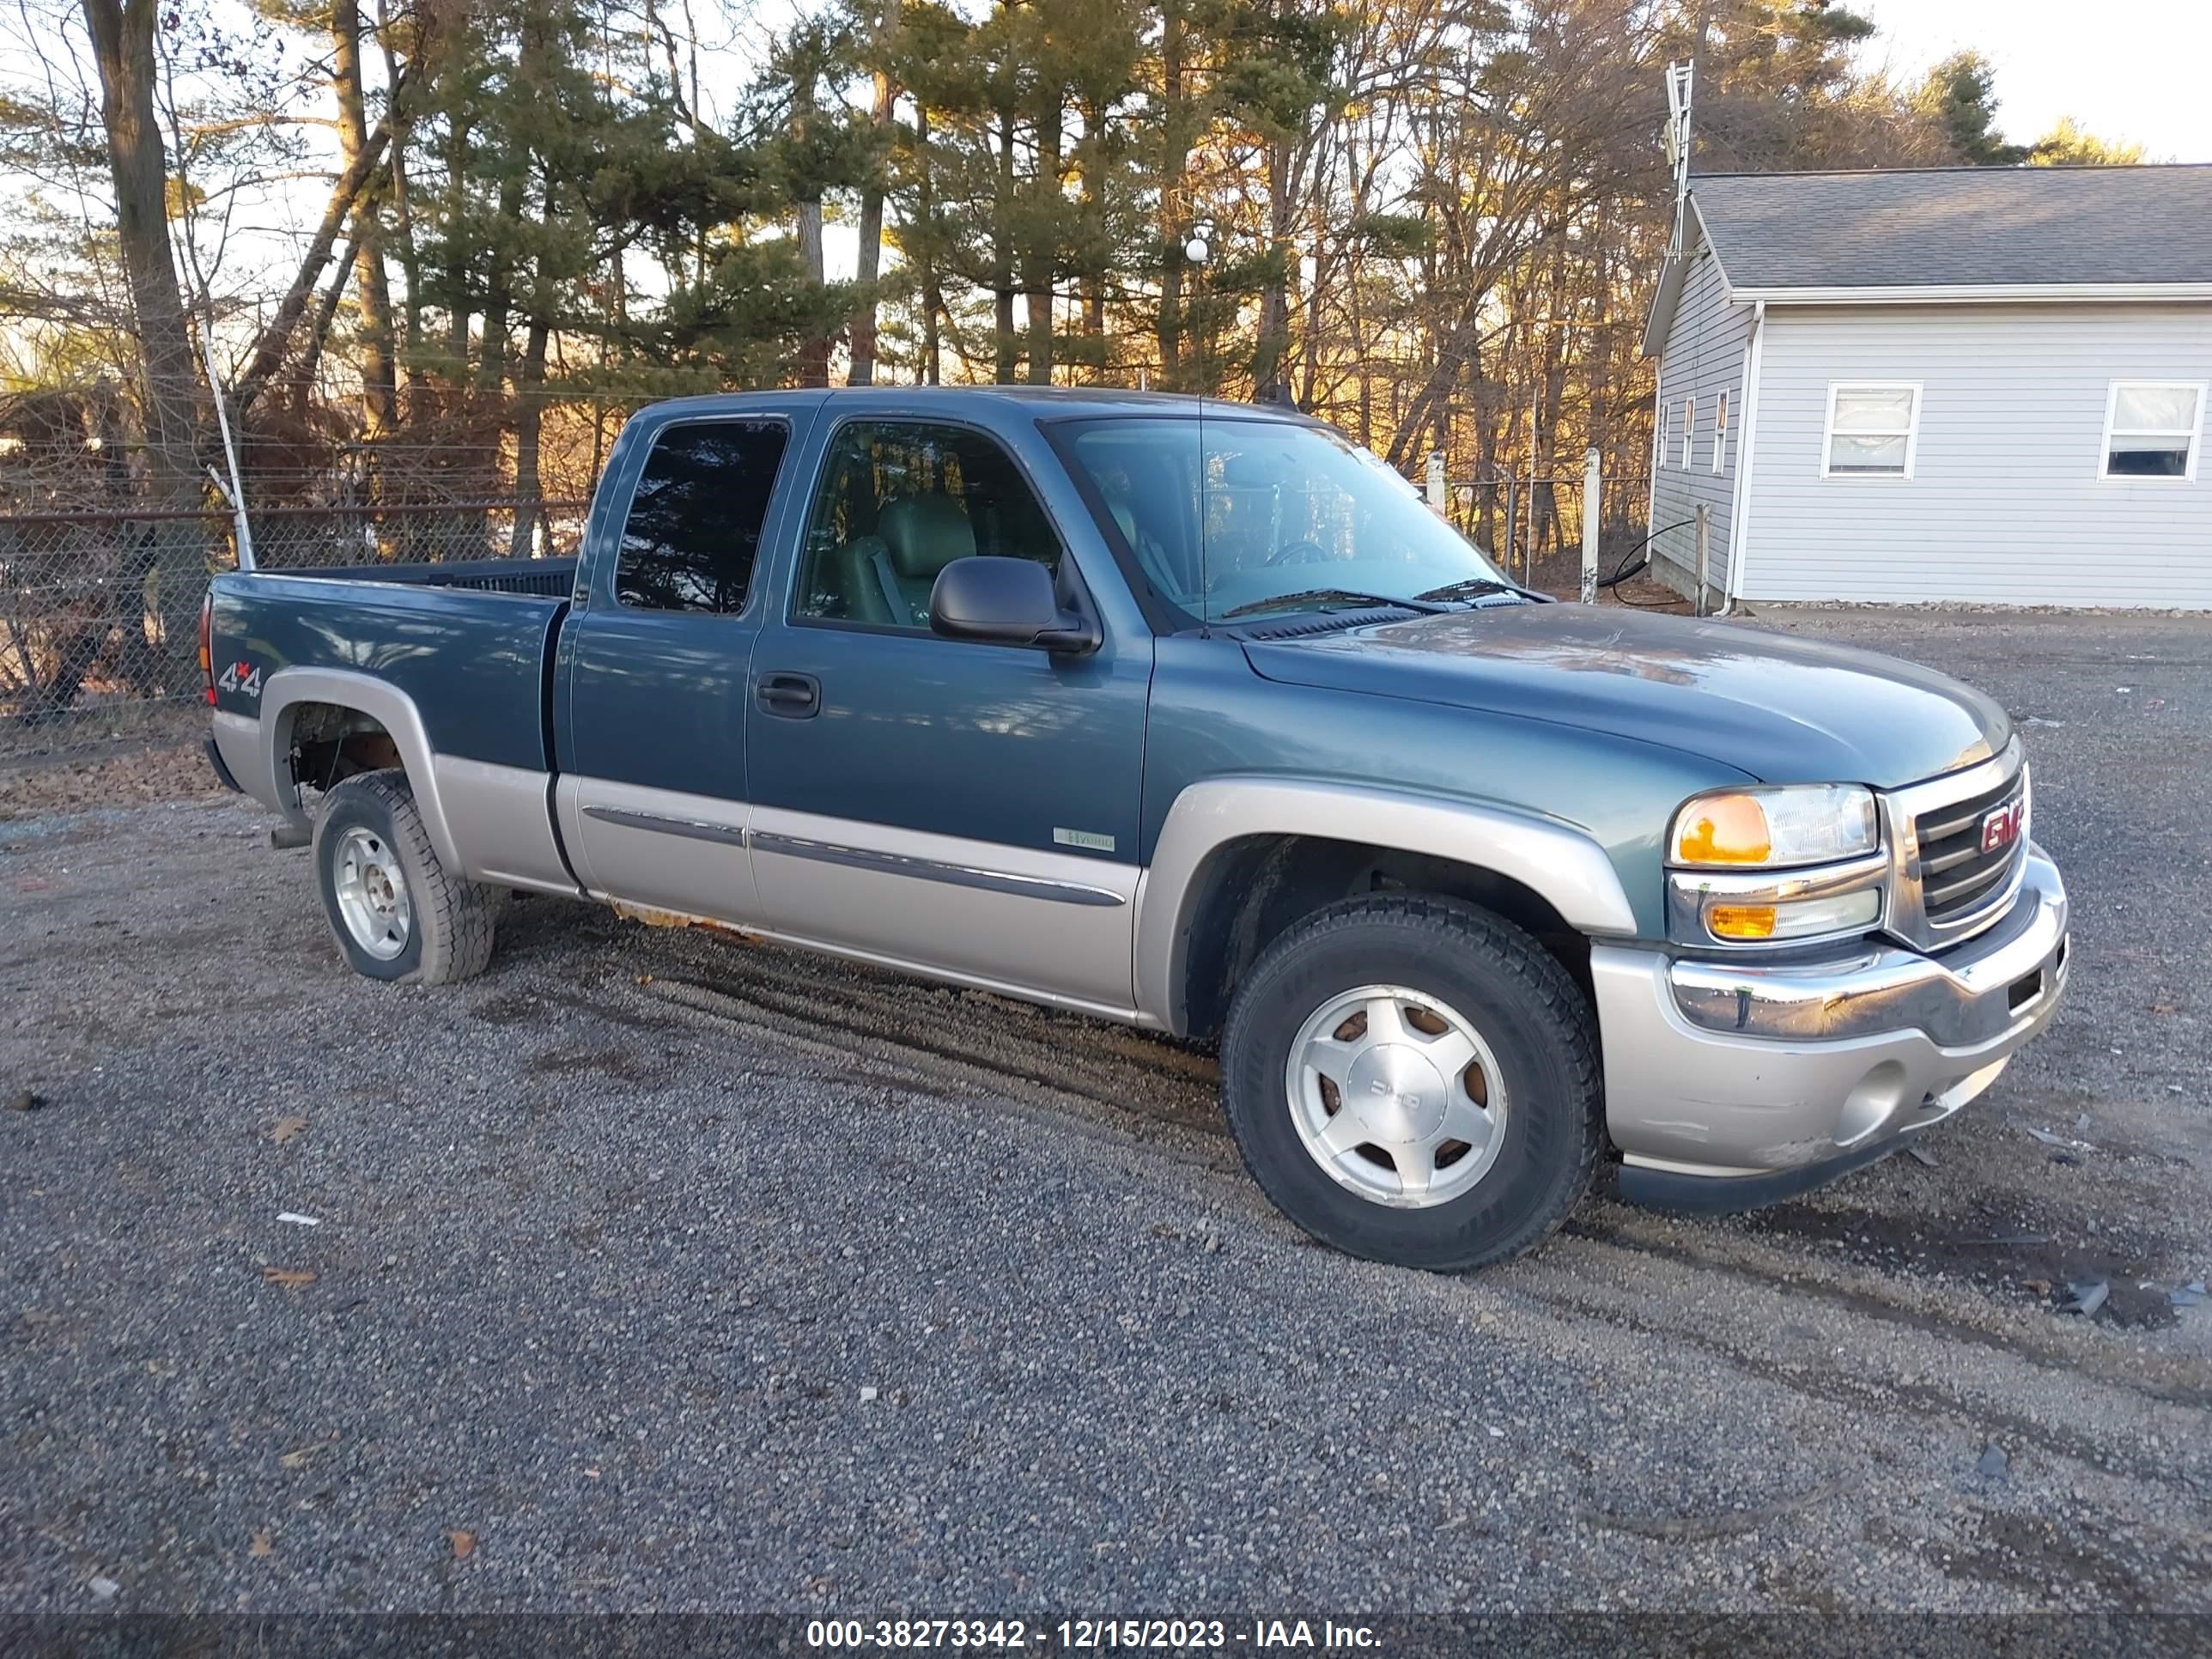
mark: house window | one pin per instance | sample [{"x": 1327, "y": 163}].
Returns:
[
  {"x": 2152, "y": 428},
  {"x": 1689, "y": 429},
  {"x": 1720, "y": 434},
  {"x": 1874, "y": 427},
  {"x": 1662, "y": 436}
]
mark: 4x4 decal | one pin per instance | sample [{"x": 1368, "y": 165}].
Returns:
[{"x": 242, "y": 677}]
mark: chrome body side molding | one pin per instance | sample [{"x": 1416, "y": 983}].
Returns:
[
  {"x": 959, "y": 875},
  {"x": 692, "y": 828},
  {"x": 1053, "y": 926},
  {"x": 659, "y": 847}
]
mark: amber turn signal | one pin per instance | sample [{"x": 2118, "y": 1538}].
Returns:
[{"x": 1741, "y": 920}]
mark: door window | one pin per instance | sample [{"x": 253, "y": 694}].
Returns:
[
  {"x": 694, "y": 525},
  {"x": 899, "y": 501}
]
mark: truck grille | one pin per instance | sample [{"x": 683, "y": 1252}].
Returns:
[{"x": 1956, "y": 876}]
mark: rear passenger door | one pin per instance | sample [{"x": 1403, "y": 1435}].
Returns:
[{"x": 650, "y": 706}]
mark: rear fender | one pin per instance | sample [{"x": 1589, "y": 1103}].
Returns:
[{"x": 288, "y": 689}]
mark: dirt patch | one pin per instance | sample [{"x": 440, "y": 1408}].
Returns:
[
  {"x": 616, "y": 1065},
  {"x": 36, "y": 786}
]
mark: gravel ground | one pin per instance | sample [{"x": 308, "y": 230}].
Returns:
[{"x": 658, "y": 1271}]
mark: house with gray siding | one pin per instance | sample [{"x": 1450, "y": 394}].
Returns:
[{"x": 1975, "y": 385}]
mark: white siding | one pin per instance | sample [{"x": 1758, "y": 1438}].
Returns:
[
  {"x": 2005, "y": 505},
  {"x": 1703, "y": 357}
]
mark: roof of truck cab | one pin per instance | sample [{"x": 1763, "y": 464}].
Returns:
[{"x": 1057, "y": 399}]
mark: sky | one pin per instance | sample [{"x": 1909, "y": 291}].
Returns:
[{"x": 2132, "y": 71}]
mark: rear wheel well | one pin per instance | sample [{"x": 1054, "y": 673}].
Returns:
[
  {"x": 1256, "y": 887},
  {"x": 330, "y": 742}
]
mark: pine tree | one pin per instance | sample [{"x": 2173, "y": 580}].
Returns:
[{"x": 1960, "y": 95}]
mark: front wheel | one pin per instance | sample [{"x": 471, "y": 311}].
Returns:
[
  {"x": 1413, "y": 1079},
  {"x": 397, "y": 912}
]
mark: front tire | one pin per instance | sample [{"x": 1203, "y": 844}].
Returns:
[
  {"x": 1414, "y": 1080},
  {"x": 397, "y": 912}
]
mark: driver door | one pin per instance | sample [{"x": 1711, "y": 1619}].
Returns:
[{"x": 966, "y": 807}]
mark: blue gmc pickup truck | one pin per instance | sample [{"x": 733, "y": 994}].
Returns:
[{"x": 1191, "y": 716}]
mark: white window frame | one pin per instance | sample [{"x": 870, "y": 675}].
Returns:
[
  {"x": 1663, "y": 436},
  {"x": 2196, "y": 434},
  {"x": 1912, "y": 433},
  {"x": 1720, "y": 432},
  {"x": 1689, "y": 432}
]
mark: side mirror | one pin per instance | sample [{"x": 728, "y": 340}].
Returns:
[{"x": 1006, "y": 602}]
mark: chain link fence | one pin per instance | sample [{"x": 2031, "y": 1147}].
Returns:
[
  {"x": 100, "y": 611},
  {"x": 1532, "y": 528}
]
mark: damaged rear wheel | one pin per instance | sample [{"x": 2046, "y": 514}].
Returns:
[{"x": 397, "y": 912}]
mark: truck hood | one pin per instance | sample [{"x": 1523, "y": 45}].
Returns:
[{"x": 1784, "y": 710}]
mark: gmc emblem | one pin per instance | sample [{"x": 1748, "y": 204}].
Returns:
[{"x": 2001, "y": 828}]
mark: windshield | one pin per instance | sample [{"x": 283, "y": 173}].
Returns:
[{"x": 1244, "y": 516}]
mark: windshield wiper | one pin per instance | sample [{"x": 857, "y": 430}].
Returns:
[
  {"x": 1469, "y": 587},
  {"x": 1319, "y": 596}
]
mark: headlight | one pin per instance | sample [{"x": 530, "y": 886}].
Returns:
[{"x": 1773, "y": 829}]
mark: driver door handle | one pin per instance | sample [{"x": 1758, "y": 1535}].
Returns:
[{"x": 788, "y": 696}]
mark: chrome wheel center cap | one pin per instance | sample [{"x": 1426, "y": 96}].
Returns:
[{"x": 1399, "y": 1095}]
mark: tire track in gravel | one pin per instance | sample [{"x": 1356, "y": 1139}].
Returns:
[
  {"x": 2089, "y": 1402},
  {"x": 2097, "y": 1422}
]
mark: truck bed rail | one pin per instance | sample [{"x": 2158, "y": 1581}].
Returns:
[{"x": 545, "y": 578}]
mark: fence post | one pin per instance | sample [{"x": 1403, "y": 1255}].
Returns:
[
  {"x": 1437, "y": 494},
  {"x": 1705, "y": 554},
  {"x": 1590, "y": 503},
  {"x": 1512, "y": 517}
]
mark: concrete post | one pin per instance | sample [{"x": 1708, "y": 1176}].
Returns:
[
  {"x": 1705, "y": 555},
  {"x": 1592, "y": 507},
  {"x": 1438, "y": 497}
]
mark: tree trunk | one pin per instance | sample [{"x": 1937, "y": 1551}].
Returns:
[
  {"x": 499, "y": 289},
  {"x": 868, "y": 264},
  {"x": 1096, "y": 258},
  {"x": 402, "y": 208},
  {"x": 1002, "y": 255},
  {"x": 1271, "y": 349},
  {"x": 276, "y": 338},
  {"x": 379, "y": 379},
  {"x": 457, "y": 245},
  {"x": 529, "y": 422},
  {"x": 1040, "y": 259},
  {"x": 813, "y": 352},
  {"x": 933, "y": 288},
  {"x": 1175, "y": 144},
  {"x": 169, "y": 404}
]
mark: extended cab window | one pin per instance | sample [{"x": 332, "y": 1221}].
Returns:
[
  {"x": 695, "y": 524},
  {"x": 899, "y": 501}
]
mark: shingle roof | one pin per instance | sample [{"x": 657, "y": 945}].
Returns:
[{"x": 1995, "y": 226}]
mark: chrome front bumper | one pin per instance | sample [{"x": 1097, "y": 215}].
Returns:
[{"x": 1722, "y": 1073}]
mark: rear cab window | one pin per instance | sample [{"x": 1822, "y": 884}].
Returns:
[{"x": 692, "y": 540}]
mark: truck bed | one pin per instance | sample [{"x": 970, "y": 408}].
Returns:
[
  {"x": 467, "y": 641},
  {"x": 551, "y": 578}
]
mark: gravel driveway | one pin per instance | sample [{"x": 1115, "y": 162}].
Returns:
[{"x": 656, "y": 1270}]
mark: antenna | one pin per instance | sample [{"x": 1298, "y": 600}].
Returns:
[{"x": 1675, "y": 140}]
